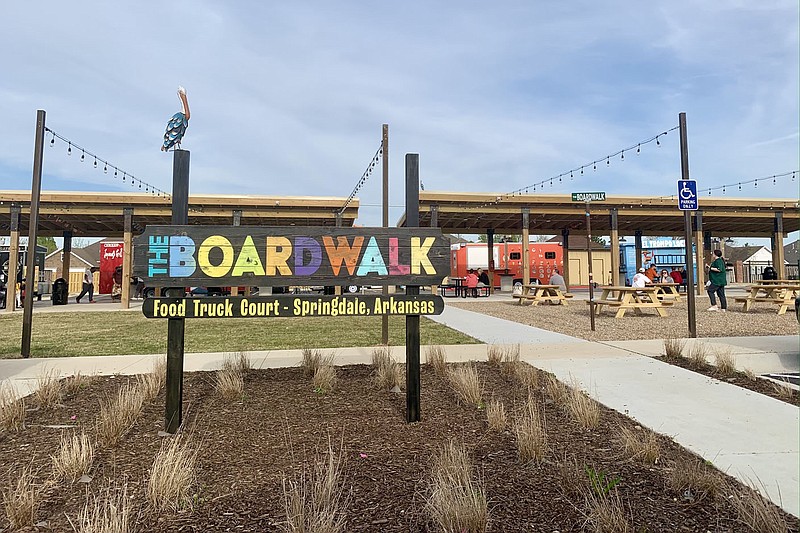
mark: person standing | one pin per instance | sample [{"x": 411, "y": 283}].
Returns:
[
  {"x": 717, "y": 279},
  {"x": 88, "y": 286}
]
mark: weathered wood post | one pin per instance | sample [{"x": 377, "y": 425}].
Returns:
[
  {"x": 412, "y": 321},
  {"x": 33, "y": 222},
  {"x": 173, "y": 416},
  {"x": 687, "y": 227}
]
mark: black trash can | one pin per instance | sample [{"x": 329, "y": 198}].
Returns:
[{"x": 60, "y": 293}]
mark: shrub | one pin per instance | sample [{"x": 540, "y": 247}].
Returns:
[
  {"x": 74, "y": 457},
  {"x": 108, "y": 513},
  {"x": 324, "y": 379},
  {"x": 119, "y": 414},
  {"x": 21, "y": 500},
  {"x": 172, "y": 475},
  {"x": 496, "y": 415},
  {"x": 456, "y": 499},
  {"x": 230, "y": 384},
  {"x": 12, "y": 410},
  {"x": 465, "y": 381},
  {"x": 529, "y": 430},
  {"x": 435, "y": 356},
  {"x": 641, "y": 445},
  {"x": 315, "y": 501}
]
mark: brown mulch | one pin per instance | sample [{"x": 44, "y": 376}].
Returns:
[
  {"x": 574, "y": 320},
  {"x": 247, "y": 448},
  {"x": 760, "y": 385}
]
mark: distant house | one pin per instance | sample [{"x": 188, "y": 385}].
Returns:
[
  {"x": 748, "y": 262},
  {"x": 80, "y": 260},
  {"x": 791, "y": 254}
]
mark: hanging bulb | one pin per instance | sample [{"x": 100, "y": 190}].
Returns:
[
  {"x": 608, "y": 161},
  {"x": 709, "y": 192},
  {"x": 53, "y": 141},
  {"x": 773, "y": 180},
  {"x": 115, "y": 172},
  {"x": 551, "y": 182},
  {"x": 140, "y": 184},
  {"x": 658, "y": 143},
  {"x": 638, "y": 149},
  {"x": 581, "y": 171},
  {"x": 123, "y": 176},
  {"x": 570, "y": 176},
  {"x": 623, "y": 155},
  {"x": 95, "y": 162},
  {"x": 755, "y": 184},
  {"x": 105, "y": 168},
  {"x": 594, "y": 166},
  {"x": 69, "y": 150},
  {"x": 83, "y": 154},
  {"x": 740, "y": 185},
  {"x": 723, "y": 189},
  {"x": 559, "y": 179}
]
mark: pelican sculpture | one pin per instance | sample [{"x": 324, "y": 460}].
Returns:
[{"x": 177, "y": 125}]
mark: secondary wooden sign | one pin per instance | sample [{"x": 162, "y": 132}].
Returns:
[
  {"x": 292, "y": 306},
  {"x": 277, "y": 256}
]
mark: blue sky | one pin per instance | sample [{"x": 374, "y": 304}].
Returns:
[{"x": 289, "y": 98}]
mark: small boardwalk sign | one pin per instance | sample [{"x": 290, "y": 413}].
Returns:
[{"x": 588, "y": 197}]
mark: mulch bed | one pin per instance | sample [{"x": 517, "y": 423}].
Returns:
[
  {"x": 246, "y": 448},
  {"x": 760, "y": 385}
]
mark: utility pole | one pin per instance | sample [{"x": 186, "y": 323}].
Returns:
[
  {"x": 687, "y": 223},
  {"x": 385, "y": 161},
  {"x": 33, "y": 222}
]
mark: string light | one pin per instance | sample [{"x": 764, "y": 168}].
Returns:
[
  {"x": 739, "y": 184},
  {"x": 571, "y": 172},
  {"x": 97, "y": 159},
  {"x": 363, "y": 179}
]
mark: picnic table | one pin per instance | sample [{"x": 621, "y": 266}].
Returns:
[
  {"x": 636, "y": 298},
  {"x": 667, "y": 290},
  {"x": 536, "y": 294},
  {"x": 780, "y": 294},
  {"x": 453, "y": 287}
]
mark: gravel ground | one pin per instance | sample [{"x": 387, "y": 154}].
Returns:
[{"x": 574, "y": 319}]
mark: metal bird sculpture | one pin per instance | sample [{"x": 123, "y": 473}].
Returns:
[{"x": 177, "y": 125}]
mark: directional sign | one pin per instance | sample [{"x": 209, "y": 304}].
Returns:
[
  {"x": 588, "y": 197},
  {"x": 687, "y": 195}
]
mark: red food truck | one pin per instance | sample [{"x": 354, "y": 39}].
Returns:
[{"x": 507, "y": 264}]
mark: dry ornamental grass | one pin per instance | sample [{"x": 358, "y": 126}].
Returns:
[
  {"x": 312, "y": 360},
  {"x": 465, "y": 381},
  {"x": 435, "y": 356},
  {"x": 758, "y": 513},
  {"x": 48, "y": 392},
  {"x": 673, "y": 347},
  {"x": 725, "y": 361},
  {"x": 557, "y": 391},
  {"x": 698, "y": 354},
  {"x": 118, "y": 415},
  {"x": 239, "y": 362},
  {"x": 605, "y": 512},
  {"x": 74, "y": 457},
  {"x": 496, "y": 415},
  {"x": 387, "y": 372},
  {"x": 21, "y": 500},
  {"x": 525, "y": 374},
  {"x": 456, "y": 499},
  {"x": 12, "y": 410},
  {"x": 229, "y": 384},
  {"x": 73, "y": 385},
  {"x": 694, "y": 481},
  {"x": 151, "y": 383},
  {"x": 530, "y": 432},
  {"x": 108, "y": 513},
  {"x": 324, "y": 379},
  {"x": 172, "y": 475},
  {"x": 315, "y": 501},
  {"x": 584, "y": 410},
  {"x": 641, "y": 445},
  {"x": 783, "y": 391}
]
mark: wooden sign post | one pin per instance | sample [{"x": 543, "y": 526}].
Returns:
[{"x": 412, "y": 321}]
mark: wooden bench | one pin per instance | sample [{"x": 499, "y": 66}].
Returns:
[
  {"x": 744, "y": 299},
  {"x": 567, "y": 294},
  {"x": 615, "y": 303}
]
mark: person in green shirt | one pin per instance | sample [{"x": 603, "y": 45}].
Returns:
[{"x": 717, "y": 279}]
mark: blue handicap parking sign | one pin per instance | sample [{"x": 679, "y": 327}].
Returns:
[{"x": 687, "y": 195}]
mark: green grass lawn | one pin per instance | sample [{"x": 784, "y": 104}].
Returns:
[{"x": 123, "y": 333}]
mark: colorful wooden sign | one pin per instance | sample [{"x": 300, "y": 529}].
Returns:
[
  {"x": 277, "y": 256},
  {"x": 292, "y": 306}
]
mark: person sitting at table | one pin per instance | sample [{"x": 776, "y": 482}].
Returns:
[
  {"x": 472, "y": 284},
  {"x": 664, "y": 277},
  {"x": 676, "y": 276},
  {"x": 483, "y": 278},
  {"x": 640, "y": 280},
  {"x": 651, "y": 272},
  {"x": 769, "y": 274},
  {"x": 558, "y": 279}
]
